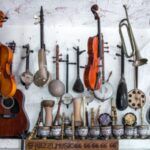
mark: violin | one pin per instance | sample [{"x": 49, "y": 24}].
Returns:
[
  {"x": 7, "y": 80},
  {"x": 3, "y": 18},
  {"x": 92, "y": 71}
]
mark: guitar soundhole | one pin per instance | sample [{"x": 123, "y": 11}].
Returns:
[{"x": 8, "y": 103}]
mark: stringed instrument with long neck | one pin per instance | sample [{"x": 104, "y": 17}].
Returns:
[
  {"x": 42, "y": 76},
  {"x": 27, "y": 77},
  {"x": 92, "y": 71}
]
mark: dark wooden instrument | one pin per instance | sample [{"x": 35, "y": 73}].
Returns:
[
  {"x": 57, "y": 87},
  {"x": 27, "y": 77},
  {"x": 78, "y": 85},
  {"x": 92, "y": 71},
  {"x": 3, "y": 18},
  {"x": 122, "y": 92},
  {"x": 7, "y": 80},
  {"x": 42, "y": 76},
  {"x": 13, "y": 119}
]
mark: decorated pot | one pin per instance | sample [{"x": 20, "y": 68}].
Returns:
[
  {"x": 129, "y": 132},
  {"x": 118, "y": 131},
  {"x": 82, "y": 132},
  {"x": 43, "y": 132},
  {"x": 106, "y": 131},
  {"x": 94, "y": 132},
  {"x": 142, "y": 131},
  {"x": 68, "y": 132},
  {"x": 56, "y": 132}
]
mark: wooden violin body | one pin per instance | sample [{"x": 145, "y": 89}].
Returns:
[
  {"x": 2, "y": 18},
  {"x": 91, "y": 70},
  {"x": 13, "y": 119},
  {"x": 7, "y": 81}
]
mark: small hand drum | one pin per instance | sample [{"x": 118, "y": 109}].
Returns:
[
  {"x": 136, "y": 99},
  {"x": 105, "y": 119},
  {"x": 129, "y": 119}
]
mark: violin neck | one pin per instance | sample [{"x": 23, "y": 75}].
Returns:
[
  {"x": 27, "y": 59},
  {"x": 67, "y": 73},
  {"x": 57, "y": 62},
  {"x": 103, "y": 60},
  {"x": 99, "y": 38}
]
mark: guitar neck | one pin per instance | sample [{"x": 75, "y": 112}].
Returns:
[{"x": 57, "y": 62}]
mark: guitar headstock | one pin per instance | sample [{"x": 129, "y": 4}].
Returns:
[
  {"x": 3, "y": 18},
  {"x": 94, "y": 10}
]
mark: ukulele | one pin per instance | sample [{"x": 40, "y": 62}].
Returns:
[
  {"x": 92, "y": 72},
  {"x": 27, "y": 77}
]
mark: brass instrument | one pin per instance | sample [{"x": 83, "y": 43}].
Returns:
[{"x": 138, "y": 61}]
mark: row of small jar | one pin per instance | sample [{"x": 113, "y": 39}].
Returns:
[{"x": 96, "y": 132}]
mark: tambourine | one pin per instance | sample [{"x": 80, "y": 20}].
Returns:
[
  {"x": 136, "y": 99},
  {"x": 129, "y": 119},
  {"x": 105, "y": 119}
]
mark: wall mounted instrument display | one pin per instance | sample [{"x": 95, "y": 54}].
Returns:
[
  {"x": 92, "y": 71},
  {"x": 136, "y": 98},
  {"x": 122, "y": 92},
  {"x": 78, "y": 85},
  {"x": 7, "y": 80},
  {"x": 3, "y": 18},
  {"x": 42, "y": 76},
  {"x": 67, "y": 97},
  {"x": 135, "y": 51},
  {"x": 57, "y": 87},
  {"x": 106, "y": 90},
  {"x": 27, "y": 77},
  {"x": 13, "y": 118}
]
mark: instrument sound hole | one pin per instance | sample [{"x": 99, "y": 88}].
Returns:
[
  {"x": 142, "y": 96},
  {"x": 133, "y": 92},
  {"x": 130, "y": 100},
  {"x": 133, "y": 104},
  {"x": 8, "y": 103},
  {"x": 130, "y": 95}
]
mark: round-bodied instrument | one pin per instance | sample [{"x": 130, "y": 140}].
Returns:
[
  {"x": 56, "y": 87},
  {"x": 105, "y": 119},
  {"x": 27, "y": 77},
  {"x": 42, "y": 76}
]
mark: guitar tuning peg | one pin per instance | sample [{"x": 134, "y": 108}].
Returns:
[
  {"x": 106, "y": 43},
  {"x": 130, "y": 60},
  {"x": 106, "y": 47},
  {"x": 106, "y": 51},
  {"x": 31, "y": 51},
  {"x": 118, "y": 54}
]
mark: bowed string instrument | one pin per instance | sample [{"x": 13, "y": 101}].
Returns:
[
  {"x": 7, "y": 80},
  {"x": 92, "y": 70}
]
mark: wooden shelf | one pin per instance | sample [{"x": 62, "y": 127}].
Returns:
[{"x": 41, "y": 144}]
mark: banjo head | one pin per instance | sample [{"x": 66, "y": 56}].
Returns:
[
  {"x": 67, "y": 99},
  {"x": 129, "y": 119},
  {"x": 26, "y": 78},
  {"x": 136, "y": 99},
  {"x": 40, "y": 82},
  {"x": 105, "y": 119},
  {"x": 105, "y": 92}
]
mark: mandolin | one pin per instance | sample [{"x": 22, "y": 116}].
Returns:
[
  {"x": 7, "y": 80},
  {"x": 27, "y": 77},
  {"x": 92, "y": 71},
  {"x": 13, "y": 119}
]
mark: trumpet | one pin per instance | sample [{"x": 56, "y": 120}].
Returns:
[{"x": 138, "y": 60}]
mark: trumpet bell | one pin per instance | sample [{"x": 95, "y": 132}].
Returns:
[{"x": 139, "y": 61}]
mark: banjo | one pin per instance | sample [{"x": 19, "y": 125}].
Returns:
[{"x": 27, "y": 77}]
